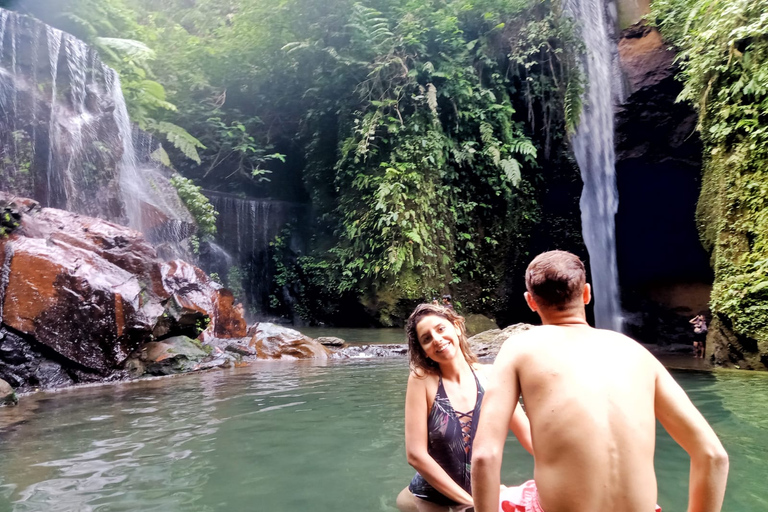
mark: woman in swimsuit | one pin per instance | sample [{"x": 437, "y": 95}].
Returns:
[{"x": 445, "y": 379}]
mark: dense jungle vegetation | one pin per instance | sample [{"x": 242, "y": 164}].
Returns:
[
  {"x": 724, "y": 66},
  {"x": 424, "y": 133}
]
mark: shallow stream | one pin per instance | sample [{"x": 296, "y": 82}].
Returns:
[{"x": 292, "y": 436}]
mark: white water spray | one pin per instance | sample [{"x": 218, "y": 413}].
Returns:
[
  {"x": 594, "y": 148},
  {"x": 62, "y": 99}
]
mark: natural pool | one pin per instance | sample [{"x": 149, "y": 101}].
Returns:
[{"x": 292, "y": 436}]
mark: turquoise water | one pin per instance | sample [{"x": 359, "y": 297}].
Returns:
[{"x": 291, "y": 436}]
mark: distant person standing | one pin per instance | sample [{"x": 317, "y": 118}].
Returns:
[
  {"x": 447, "y": 302},
  {"x": 700, "y": 335}
]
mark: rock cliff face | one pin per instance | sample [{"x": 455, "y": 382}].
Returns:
[
  {"x": 78, "y": 295},
  {"x": 66, "y": 139},
  {"x": 659, "y": 162}
]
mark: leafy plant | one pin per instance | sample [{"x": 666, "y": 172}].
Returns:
[
  {"x": 724, "y": 68},
  {"x": 197, "y": 204}
]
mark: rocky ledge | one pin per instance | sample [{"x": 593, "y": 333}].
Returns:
[{"x": 84, "y": 300}]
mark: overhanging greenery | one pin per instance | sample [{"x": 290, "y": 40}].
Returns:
[{"x": 724, "y": 60}]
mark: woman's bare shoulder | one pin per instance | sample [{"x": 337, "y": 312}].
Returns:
[{"x": 421, "y": 377}]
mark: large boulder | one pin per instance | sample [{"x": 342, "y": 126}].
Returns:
[
  {"x": 199, "y": 304},
  {"x": 488, "y": 343},
  {"x": 172, "y": 355},
  {"x": 271, "y": 341},
  {"x": 475, "y": 324},
  {"x": 63, "y": 290},
  {"x": 85, "y": 293}
]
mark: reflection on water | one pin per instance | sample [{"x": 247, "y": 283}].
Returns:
[{"x": 291, "y": 436}]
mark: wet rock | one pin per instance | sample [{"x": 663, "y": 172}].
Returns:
[
  {"x": 366, "y": 351},
  {"x": 58, "y": 293},
  {"x": 240, "y": 350},
  {"x": 488, "y": 343},
  {"x": 731, "y": 350},
  {"x": 85, "y": 293},
  {"x": 173, "y": 355},
  {"x": 644, "y": 57},
  {"x": 330, "y": 341},
  {"x": 195, "y": 298},
  {"x": 651, "y": 125},
  {"x": 476, "y": 324},
  {"x": 659, "y": 155},
  {"x": 25, "y": 366},
  {"x": 271, "y": 341},
  {"x": 7, "y": 394}
]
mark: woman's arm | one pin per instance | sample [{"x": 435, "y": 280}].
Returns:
[{"x": 416, "y": 413}]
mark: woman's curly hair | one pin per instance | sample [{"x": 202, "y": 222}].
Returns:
[{"x": 420, "y": 363}]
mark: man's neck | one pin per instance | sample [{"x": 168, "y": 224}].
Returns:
[{"x": 564, "y": 318}]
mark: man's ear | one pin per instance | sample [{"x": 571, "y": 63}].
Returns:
[
  {"x": 531, "y": 302},
  {"x": 587, "y": 294}
]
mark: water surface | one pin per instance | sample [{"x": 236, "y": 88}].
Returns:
[{"x": 291, "y": 436}]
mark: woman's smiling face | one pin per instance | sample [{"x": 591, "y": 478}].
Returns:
[{"x": 438, "y": 338}]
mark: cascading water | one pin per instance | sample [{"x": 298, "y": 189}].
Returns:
[
  {"x": 594, "y": 148},
  {"x": 244, "y": 230},
  {"x": 66, "y": 139}
]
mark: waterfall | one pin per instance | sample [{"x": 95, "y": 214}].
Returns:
[
  {"x": 244, "y": 230},
  {"x": 594, "y": 149},
  {"x": 66, "y": 139}
]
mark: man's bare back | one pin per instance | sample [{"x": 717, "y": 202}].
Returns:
[
  {"x": 593, "y": 431},
  {"x": 593, "y": 398}
]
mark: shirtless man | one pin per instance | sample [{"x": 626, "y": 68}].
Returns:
[{"x": 593, "y": 397}]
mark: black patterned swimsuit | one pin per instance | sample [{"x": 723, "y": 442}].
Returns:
[{"x": 450, "y": 436}]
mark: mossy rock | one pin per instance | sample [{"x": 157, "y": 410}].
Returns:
[
  {"x": 475, "y": 324},
  {"x": 7, "y": 394}
]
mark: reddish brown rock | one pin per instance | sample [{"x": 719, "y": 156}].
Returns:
[
  {"x": 75, "y": 302},
  {"x": 195, "y": 297},
  {"x": 93, "y": 291},
  {"x": 271, "y": 341},
  {"x": 645, "y": 59}
]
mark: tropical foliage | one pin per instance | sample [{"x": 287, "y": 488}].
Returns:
[
  {"x": 421, "y": 131},
  {"x": 724, "y": 62}
]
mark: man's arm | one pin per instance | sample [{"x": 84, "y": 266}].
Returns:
[
  {"x": 520, "y": 425},
  {"x": 686, "y": 425},
  {"x": 496, "y": 413}
]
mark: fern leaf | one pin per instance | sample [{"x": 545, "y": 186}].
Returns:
[
  {"x": 495, "y": 155},
  {"x": 127, "y": 47},
  {"x": 486, "y": 134},
  {"x": 511, "y": 169},
  {"x": 181, "y": 139},
  {"x": 160, "y": 155}
]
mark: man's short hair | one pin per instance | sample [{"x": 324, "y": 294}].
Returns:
[{"x": 556, "y": 279}]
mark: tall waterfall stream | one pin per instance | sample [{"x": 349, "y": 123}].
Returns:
[{"x": 594, "y": 148}]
